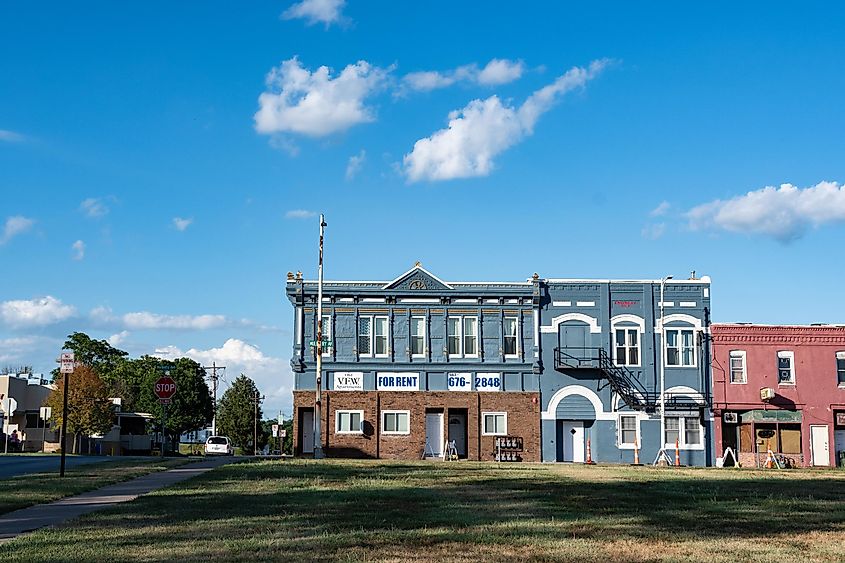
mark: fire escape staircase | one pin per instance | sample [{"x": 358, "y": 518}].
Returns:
[{"x": 623, "y": 381}]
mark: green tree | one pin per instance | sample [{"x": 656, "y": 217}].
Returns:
[
  {"x": 236, "y": 414},
  {"x": 88, "y": 406},
  {"x": 191, "y": 407}
]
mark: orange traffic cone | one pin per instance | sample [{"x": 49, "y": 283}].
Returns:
[
  {"x": 769, "y": 460},
  {"x": 636, "y": 453},
  {"x": 589, "y": 454},
  {"x": 677, "y": 454}
]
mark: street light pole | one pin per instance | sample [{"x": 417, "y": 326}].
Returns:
[
  {"x": 318, "y": 436},
  {"x": 662, "y": 368}
]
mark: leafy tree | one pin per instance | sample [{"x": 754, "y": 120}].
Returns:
[
  {"x": 267, "y": 427},
  {"x": 236, "y": 414},
  {"x": 191, "y": 408},
  {"x": 88, "y": 405},
  {"x": 97, "y": 354}
]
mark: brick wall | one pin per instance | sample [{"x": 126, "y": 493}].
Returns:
[{"x": 523, "y": 420}]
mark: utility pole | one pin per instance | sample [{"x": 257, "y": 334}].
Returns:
[
  {"x": 318, "y": 436},
  {"x": 256, "y": 400},
  {"x": 662, "y": 371},
  {"x": 214, "y": 377}
]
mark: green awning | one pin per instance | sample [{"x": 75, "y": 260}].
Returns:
[{"x": 779, "y": 415}]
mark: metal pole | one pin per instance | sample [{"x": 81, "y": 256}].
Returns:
[
  {"x": 662, "y": 368},
  {"x": 63, "y": 441},
  {"x": 318, "y": 436},
  {"x": 163, "y": 428},
  {"x": 255, "y": 427}
]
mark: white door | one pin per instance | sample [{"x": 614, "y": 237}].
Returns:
[
  {"x": 308, "y": 432},
  {"x": 819, "y": 447},
  {"x": 434, "y": 433},
  {"x": 573, "y": 441}
]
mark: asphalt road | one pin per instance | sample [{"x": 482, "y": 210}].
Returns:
[{"x": 13, "y": 465}]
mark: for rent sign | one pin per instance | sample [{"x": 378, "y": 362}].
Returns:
[
  {"x": 397, "y": 381},
  {"x": 348, "y": 381}
]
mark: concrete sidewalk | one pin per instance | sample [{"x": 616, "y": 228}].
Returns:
[{"x": 29, "y": 519}]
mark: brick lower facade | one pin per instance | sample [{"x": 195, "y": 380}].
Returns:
[{"x": 522, "y": 408}]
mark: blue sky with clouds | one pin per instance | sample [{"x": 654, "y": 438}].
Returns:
[{"x": 161, "y": 164}]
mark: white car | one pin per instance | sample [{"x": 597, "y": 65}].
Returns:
[{"x": 218, "y": 445}]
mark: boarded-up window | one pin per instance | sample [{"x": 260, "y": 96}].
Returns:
[
  {"x": 746, "y": 438},
  {"x": 790, "y": 439}
]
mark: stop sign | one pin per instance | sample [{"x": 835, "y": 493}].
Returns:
[{"x": 165, "y": 388}]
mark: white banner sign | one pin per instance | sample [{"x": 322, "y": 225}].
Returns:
[
  {"x": 348, "y": 381},
  {"x": 488, "y": 381},
  {"x": 459, "y": 381},
  {"x": 397, "y": 381}
]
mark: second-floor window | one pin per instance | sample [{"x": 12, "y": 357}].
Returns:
[
  {"x": 462, "y": 337},
  {"x": 418, "y": 336},
  {"x": 627, "y": 346},
  {"x": 509, "y": 330},
  {"x": 840, "y": 368},
  {"x": 680, "y": 347},
  {"x": 737, "y": 360},
  {"x": 373, "y": 336},
  {"x": 786, "y": 367}
]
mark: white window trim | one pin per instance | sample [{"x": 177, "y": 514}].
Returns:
[
  {"x": 484, "y": 415},
  {"x": 386, "y": 353},
  {"x": 682, "y": 433},
  {"x": 460, "y": 335},
  {"x": 840, "y": 354},
  {"x": 337, "y": 414},
  {"x": 358, "y": 337},
  {"x": 424, "y": 339},
  {"x": 627, "y": 348},
  {"x": 791, "y": 355},
  {"x": 395, "y": 432},
  {"x": 738, "y": 354},
  {"x": 638, "y": 439},
  {"x": 515, "y": 336},
  {"x": 679, "y": 330}
]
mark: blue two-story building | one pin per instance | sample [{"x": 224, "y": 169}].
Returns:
[{"x": 521, "y": 371}]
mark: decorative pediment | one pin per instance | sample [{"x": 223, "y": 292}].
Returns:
[{"x": 418, "y": 279}]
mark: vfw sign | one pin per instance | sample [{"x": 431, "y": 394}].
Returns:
[{"x": 348, "y": 381}]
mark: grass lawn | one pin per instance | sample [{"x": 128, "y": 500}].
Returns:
[
  {"x": 36, "y": 488},
  {"x": 403, "y": 511}
]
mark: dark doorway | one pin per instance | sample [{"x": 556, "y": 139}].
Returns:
[{"x": 458, "y": 430}]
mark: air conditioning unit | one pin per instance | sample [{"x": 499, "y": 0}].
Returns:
[
  {"x": 730, "y": 418},
  {"x": 767, "y": 394}
]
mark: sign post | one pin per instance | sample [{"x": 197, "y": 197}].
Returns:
[
  {"x": 9, "y": 407},
  {"x": 164, "y": 389},
  {"x": 44, "y": 414},
  {"x": 68, "y": 364}
]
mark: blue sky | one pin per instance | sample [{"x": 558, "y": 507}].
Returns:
[{"x": 151, "y": 197}]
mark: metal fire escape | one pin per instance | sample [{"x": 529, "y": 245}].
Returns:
[{"x": 596, "y": 362}]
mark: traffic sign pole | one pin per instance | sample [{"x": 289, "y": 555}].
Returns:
[{"x": 67, "y": 363}]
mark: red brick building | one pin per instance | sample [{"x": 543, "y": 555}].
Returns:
[
  {"x": 780, "y": 388},
  {"x": 398, "y": 424}
]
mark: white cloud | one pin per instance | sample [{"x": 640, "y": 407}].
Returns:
[
  {"x": 180, "y": 224},
  {"x": 355, "y": 164},
  {"x": 15, "y": 226},
  {"x": 316, "y": 11},
  {"x": 119, "y": 338},
  {"x": 78, "y": 249},
  {"x": 653, "y": 231},
  {"x": 41, "y": 311},
  {"x": 284, "y": 144},
  {"x": 10, "y": 136},
  {"x": 144, "y": 320},
  {"x": 315, "y": 104},
  {"x": 661, "y": 209},
  {"x": 272, "y": 375},
  {"x": 93, "y": 207},
  {"x": 500, "y": 71},
  {"x": 300, "y": 214},
  {"x": 484, "y": 129},
  {"x": 784, "y": 213},
  {"x": 496, "y": 72}
]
